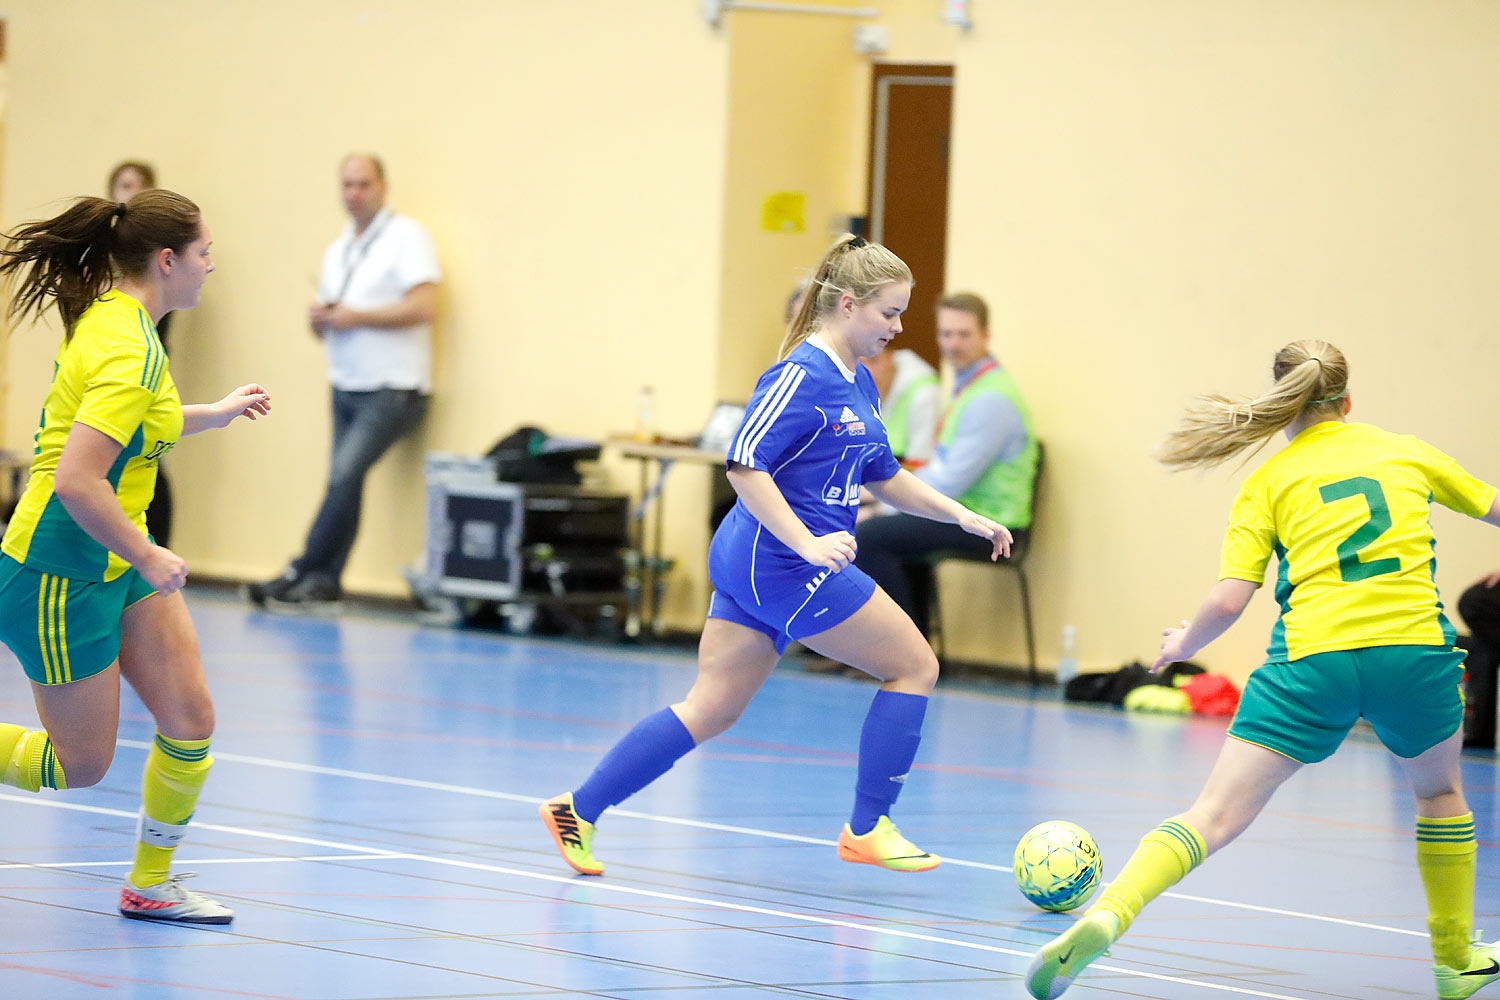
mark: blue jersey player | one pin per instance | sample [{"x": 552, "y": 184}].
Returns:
[{"x": 782, "y": 566}]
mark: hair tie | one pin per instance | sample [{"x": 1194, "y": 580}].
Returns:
[
  {"x": 119, "y": 211},
  {"x": 855, "y": 242}
]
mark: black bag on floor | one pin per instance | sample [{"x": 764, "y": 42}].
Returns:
[{"x": 1113, "y": 687}]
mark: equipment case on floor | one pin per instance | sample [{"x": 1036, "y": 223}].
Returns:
[{"x": 563, "y": 548}]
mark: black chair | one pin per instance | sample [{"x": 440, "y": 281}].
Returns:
[{"x": 1016, "y": 562}]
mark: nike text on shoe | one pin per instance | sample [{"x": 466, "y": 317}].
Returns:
[
  {"x": 1053, "y": 969},
  {"x": 1483, "y": 969},
  {"x": 884, "y": 846},
  {"x": 574, "y": 836},
  {"x": 169, "y": 902}
]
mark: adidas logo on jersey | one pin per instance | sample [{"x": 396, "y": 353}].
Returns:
[{"x": 849, "y": 423}]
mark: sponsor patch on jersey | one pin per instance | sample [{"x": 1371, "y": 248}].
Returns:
[{"x": 849, "y": 424}]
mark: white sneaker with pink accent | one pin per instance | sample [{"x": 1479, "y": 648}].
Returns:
[{"x": 171, "y": 903}]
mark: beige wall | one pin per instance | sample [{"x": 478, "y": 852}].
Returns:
[
  {"x": 1158, "y": 195},
  {"x": 799, "y": 108},
  {"x": 568, "y": 159},
  {"x": 793, "y": 127},
  {"x": 1155, "y": 196}
]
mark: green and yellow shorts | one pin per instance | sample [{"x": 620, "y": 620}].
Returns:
[
  {"x": 63, "y": 629},
  {"x": 1411, "y": 695}
]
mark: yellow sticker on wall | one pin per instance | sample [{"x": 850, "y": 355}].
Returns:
[{"x": 784, "y": 212}]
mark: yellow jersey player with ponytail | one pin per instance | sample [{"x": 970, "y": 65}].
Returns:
[
  {"x": 86, "y": 596},
  {"x": 1344, "y": 508}
]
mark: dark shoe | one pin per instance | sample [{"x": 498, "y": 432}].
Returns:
[
  {"x": 310, "y": 593},
  {"x": 260, "y": 593}
]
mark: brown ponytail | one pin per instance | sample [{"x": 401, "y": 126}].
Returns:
[{"x": 75, "y": 257}]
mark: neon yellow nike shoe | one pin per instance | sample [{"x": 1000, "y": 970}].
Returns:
[
  {"x": 884, "y": 846},
  {"x": 574, "y": 836},
  {"x": 1483, "y": 969},
  {"x": 1053, "y": 969}
]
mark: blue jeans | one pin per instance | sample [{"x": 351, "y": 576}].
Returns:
[{"x": 365, "y": 425}]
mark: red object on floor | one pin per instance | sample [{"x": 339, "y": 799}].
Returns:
[{"x": 1210, "y": 694}]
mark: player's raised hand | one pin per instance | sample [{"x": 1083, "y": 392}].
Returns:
[
  {"x": 997, "y": 534},
  {"x": 250, "y": 401},
  {"x": 1173, "y": 640},
  {"x": 833, "y": 551}
]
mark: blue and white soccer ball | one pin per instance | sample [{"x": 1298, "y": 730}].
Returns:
[{"x": 1058, "y": 865}]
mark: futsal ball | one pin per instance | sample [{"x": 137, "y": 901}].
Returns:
[{"x": 1057, "y": 865}]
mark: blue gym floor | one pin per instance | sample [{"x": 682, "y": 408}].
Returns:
[{"x": 372, "y": 818}]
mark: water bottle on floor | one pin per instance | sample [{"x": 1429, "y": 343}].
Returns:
[{"x": 1067, "y": 659}]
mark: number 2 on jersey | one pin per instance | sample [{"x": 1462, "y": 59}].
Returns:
[{"x": 1351, "y": 567}]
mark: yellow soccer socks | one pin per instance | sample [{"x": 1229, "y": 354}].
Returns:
[
  {"x": 1163, "y": 859},
  {"x": 27, "y": 760},
  {"x": 1445, "y": 857},
  {"x": 175, "y": 772}
]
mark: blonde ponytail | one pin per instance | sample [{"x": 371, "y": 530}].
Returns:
[
  {"x": 1311, "y": 376},
  {"x": 851, "y": 266}
]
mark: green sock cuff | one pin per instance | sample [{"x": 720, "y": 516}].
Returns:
[
  {"x": 32, "y": 763},
  {"x": 48, "y": 771},
  {"x": 184, "y": 750},
  {"x": 1182, "y": 840},
  {"x": 1446, "y": 835}
]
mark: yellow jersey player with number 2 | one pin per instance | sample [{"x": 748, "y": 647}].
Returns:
[{"x": 1344, "y": 509}]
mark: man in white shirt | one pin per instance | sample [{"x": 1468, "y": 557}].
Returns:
[{"x": 377, "y": 296}]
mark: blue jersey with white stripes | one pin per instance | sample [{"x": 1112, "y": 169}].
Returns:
[{"x": 815, "y": 427}]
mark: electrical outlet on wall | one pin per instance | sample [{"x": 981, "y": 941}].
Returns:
[{"x": 871, "y": 39}]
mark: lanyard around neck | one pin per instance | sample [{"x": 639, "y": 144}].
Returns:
[
  {"x": 361, "y": 249},
  {"x": 990, "y": 364}
]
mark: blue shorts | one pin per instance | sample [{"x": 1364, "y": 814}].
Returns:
[
  {"x": 1305, "y": 708},
  {"x": 796, "y": 606}
]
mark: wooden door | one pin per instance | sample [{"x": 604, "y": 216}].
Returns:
[{"x": 911, "y": 110}]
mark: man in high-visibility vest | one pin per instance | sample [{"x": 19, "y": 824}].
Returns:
[{"x": 985, "y": 456}]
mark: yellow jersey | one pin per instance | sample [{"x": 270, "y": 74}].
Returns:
[
  {"x": 1345, "y": 508},
  {"x": 112, "y": 376}
]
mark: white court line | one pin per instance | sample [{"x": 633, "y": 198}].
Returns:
[
  {"x": 570, "y": 880},
  {"x": 205, "y": 861},
  {"x": 723, "y": 828}
]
